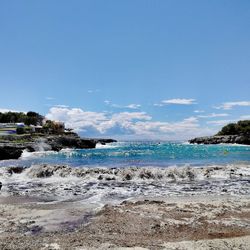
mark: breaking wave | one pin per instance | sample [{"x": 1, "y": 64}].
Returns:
[
  {"x": 104, "y": 146},
  {"x": 101, "y": 185},
  {"x": 170, "y": 174}
]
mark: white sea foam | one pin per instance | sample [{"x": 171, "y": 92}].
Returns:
[
  {"x": 223, "y": 144},
  {"x": 41, "y": 145},
  {"x": 67, "y": 150},
  {"x": 185, "y": 173},
  {"x": 234, "y": 144},
  {"x": 103, "y": 184},
  {"x": 110, "y": 145},
  {"x": 186, "y": 143},
  {"x": 28, "y": 155}
]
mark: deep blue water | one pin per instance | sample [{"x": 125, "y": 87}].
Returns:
[{"x": 141, "y": 154}]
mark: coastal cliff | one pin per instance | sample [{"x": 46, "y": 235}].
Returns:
[
  {"x": 216, "y": 139},
  {"x": 11, "y": 147},
  {"x": 232, "y": 133},
  {"x": 33, "y": 132}
]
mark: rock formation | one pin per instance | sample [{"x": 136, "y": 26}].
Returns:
[
  {"x": 11, "y": 147},
  {"x": 232, "y": 133}
]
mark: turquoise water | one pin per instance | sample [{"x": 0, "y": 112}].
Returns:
[{"x": 125, "y": 154}]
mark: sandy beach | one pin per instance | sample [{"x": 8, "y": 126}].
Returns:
[{"x": 59, "y": 207}]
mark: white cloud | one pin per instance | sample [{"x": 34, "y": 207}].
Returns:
[
  {"x": 199, "y": 111},
  {"x": 49, "y": 98},
  {"x": 113, "y": 105},
  {"x": 4, "y": 110},
  {"x": 224, "y": 122},
  {"x": 90, "y": 91},
  {"x": 61, "y": 106},
  {"x": 100, "y": 122},
  {"x": 126, "y": 125},
  {"x": 77, "y": 118},
  {"x": 129, "y": 106},
  {"x": 213, "y": 115},
  {"x": 230, "y": 105},
  {"x": 245, "y": 117},
  {"x": 182, "y": 130},
  {"x": 133, "y": 106},
  {"x": 220, "y": 122},
  {"x": 177, "y": 101},
  {"x": 158, "y": 104}
]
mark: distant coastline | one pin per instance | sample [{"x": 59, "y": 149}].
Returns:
[{"x": 238, "y": 133}]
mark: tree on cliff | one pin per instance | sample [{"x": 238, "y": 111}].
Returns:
[
  {"x": 239, "y": 128},
  {"x": 33, "y": 118},
  {"x": 12, "y": 117},
  {"x": 15, "y": 117}
]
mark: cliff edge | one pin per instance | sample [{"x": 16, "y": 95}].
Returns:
[
  {"x": 12, "y": 146},
  {"x": 232, "y": 133}
]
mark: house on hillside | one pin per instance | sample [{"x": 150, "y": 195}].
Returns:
[
  {"x": 10, "y": 128},
  {"x": 36, "y": 129}
]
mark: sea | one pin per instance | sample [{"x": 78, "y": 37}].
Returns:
[
  {"x": 139, "y": 154},
  {"x": 115, "y": 172}
]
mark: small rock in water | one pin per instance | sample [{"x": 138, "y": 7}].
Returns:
[
  {"x": 108, "y": 178},
  {"x": 1, "y": 185},
  {"x": 128, "y": 177},
  {"x": 100, "y": 177}
]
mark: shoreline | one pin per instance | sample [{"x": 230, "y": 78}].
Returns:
[
  {"x": 212, "y": 222},
  {"x": 62, "y": 207}
]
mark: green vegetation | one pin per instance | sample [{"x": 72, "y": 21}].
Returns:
[
  {"x": 239, "y": 128},
  {"x": 31, "y": 118},
  {"x": 53, "y": 126},
  {"x": 20, "y": 131}
]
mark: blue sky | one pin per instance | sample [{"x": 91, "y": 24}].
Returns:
[{"x": 128, "y": 69}]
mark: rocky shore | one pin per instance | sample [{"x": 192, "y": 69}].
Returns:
[
  {"x": 231, "y": 133},
  {"x": 217, "y": 139},
  {"x": 11, "y": 147},
  {"x": 60, "y": 207}
]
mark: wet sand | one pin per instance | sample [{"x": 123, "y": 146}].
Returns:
[
  {"x": 192, "y": 220},
  {"x": 172, "y": 223}
]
